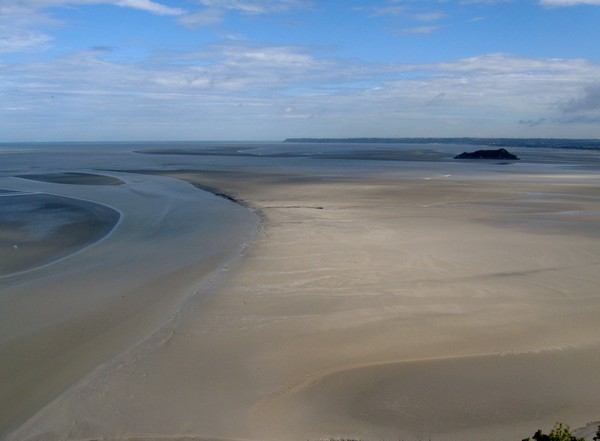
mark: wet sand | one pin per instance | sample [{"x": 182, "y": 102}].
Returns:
[
  {"x": 74, "y": 178},
  {"x": 376, "y": 306},
  {"x": 90, "y": 300},
  {"x": 37, "y": 229}
]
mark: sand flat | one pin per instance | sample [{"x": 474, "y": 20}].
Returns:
[
  {"x": 60, "y": 320},
  {"x": 376, "y": 306}
]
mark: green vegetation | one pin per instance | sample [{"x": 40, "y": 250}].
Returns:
[{"x": 560, "y": 432}]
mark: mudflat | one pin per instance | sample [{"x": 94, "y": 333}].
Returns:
[{"x": 373, "y": 305}]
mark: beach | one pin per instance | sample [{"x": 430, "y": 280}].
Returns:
[
  {"x": 108, "y": 277},
  {"x": 402, "y": 297}
]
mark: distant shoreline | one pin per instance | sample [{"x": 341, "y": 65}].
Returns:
[{"x": 556, "y": 143}]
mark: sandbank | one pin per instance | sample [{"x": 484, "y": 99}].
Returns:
[
  {"x": 376, "y": 306},
  {"x": 74, "y": 178}
]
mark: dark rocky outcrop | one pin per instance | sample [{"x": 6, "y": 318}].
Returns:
[{"x": 488, "y": 154}]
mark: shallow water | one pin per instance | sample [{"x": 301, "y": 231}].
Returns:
[{"x": 80, "y": 305}]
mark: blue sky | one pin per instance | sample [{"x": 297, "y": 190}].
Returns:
[{"x": 270, "y": 69}]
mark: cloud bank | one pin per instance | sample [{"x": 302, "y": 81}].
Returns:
[
  {"x": 257, "y": 89},
  {"x": 254, "y": 86}
]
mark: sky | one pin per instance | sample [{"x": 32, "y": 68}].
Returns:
[{"x": 160, "y": 70}]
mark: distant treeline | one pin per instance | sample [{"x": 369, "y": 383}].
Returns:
[{"x": 557, "y": 143}]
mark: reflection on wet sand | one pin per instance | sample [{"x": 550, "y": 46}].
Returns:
[
  {"x": 90, "y": 270},
  {"x": 36, "y": 229}
]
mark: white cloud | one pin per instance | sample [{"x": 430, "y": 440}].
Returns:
[
  {"x": 389, "y": 10},
  {"x": 17, "y": 40},
  {"x": 21, "y": 28},
  {"x": 403, "y": 10},
  {"x": 588, "y": 101},
  {"x": 544, "y": 97},
  {"x": 409, "y": 16},
  {"x": 146, "y": 5},
  {"x": 215, "y": 10},
  {"x": 281, "y": 88},
  {"x": 206, "y": 17},
  {"x": 267, "y": 56},
  {"x": 569, "y": 2},
  {"x": 418, "y": 30},
  {"x": 484, "y": 2},
  {"x": 22, "y": 22},
  {"x": 257, "y": 6},
  {"x": 429, "y": 16}
]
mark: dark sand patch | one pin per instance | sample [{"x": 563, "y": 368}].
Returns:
[
  {"x": 40, "y": 228},
  {"x": 447, "y": 397},
  {"x": 74, "y": 178},
  {"x": 366, "y": 154},
  {"x": 161, "y": 438}
]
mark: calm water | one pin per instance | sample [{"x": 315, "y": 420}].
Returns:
[{"x": 51, "y": 157}]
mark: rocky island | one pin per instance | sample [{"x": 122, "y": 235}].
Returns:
[{"x": 488, "y": 154}]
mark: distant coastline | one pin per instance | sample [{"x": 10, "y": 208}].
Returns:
[{"x": 556, "y": 143}]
